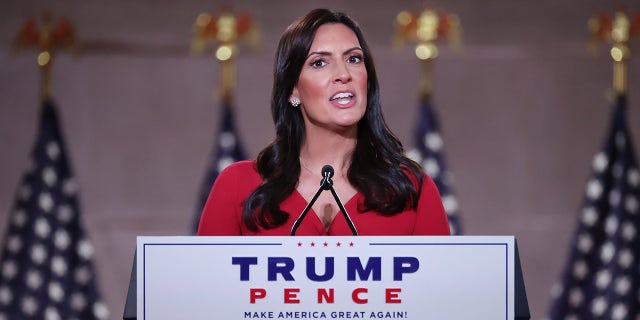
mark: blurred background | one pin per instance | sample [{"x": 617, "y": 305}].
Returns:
[{"x": 523, "y": 109}]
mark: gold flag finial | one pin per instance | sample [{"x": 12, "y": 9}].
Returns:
[
  {"x": 618, "y": 30},
  {"x": 47, "y": 38},
  {"x": 224, "y": 30},
  {"x": 425, "y": 28}
]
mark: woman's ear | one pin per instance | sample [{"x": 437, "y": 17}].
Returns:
[{"x": 294, "y": 93}]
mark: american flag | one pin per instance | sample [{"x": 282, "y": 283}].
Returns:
[
  {"x": 602, "y": 276},
  {"x": 428, "y": 151},
  {"x": 46, "y": 271},
  {"x": 229, "y": 149}
]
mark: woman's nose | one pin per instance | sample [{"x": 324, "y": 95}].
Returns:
[{"x": 342, "y": 73}]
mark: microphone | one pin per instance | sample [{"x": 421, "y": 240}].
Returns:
[
  {"x": 325, "y": 184},
  {"x": 327, "y": 174}
]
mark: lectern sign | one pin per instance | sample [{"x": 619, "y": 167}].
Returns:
[{"x": 364, "y": 277}]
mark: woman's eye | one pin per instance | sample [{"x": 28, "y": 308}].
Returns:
[
  {"x": 318, "y": 63},
  {"x": 355, "y": 59}
]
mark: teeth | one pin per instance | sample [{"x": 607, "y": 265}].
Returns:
[{"x": 342, "y": 95}]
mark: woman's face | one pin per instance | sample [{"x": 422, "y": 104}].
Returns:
[{"x": 333, "y": 82}]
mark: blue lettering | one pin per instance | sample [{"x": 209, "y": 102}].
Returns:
[
  {"x": 402, "y": 265},
  {"x": 357, "y": 268},
  {"x": 244, "y": 263},
  {"x": 281, "y": 265},
  {"x": 373, "y": 268},
  {"x": 328, "y": 269}
]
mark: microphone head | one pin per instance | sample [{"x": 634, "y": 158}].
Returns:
[{"x": 327, "y": 170}]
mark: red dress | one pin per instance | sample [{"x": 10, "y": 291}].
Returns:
[{"x": 222, "y": 213}]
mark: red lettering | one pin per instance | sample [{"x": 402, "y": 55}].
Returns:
[
  {"x": 327, "y": 296},
  {"x": 392, "y": 295},
  {"x": 257, "y": 293},
  {"x": 355, "y": 295},
  {"x": 291, "y": 295}
]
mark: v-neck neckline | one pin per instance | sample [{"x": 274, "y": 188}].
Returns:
[{"x": 316, "y": 219}]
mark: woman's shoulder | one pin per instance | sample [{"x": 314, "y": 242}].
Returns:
[
  {"x": 242, "y": 165},
  {"x": 245, "y": 168},
  {"x": 242, "y": 174}
]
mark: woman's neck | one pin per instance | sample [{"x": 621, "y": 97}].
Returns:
[{"x": 319, "y": 149}]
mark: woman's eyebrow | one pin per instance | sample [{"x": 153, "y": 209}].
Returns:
[
  {"x": 327, "y": 53},
  {"x": 320, "y": 53},
  {"x": 352, "y": 49}
]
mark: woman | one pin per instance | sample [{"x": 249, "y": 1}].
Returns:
[{"x": 326, "y": 109}]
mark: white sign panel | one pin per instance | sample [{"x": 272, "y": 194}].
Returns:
[{"x": 365, "y": 277}]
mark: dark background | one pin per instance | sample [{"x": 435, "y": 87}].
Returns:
[{"x": 523, "y": 108}]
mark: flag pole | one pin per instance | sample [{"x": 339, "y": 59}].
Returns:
[
  {"x": 620, "y": 52},
  {"x": 45, "y": 58},
  {"x": 224, "y": 31},
  {"x": 47, "y": 39},
  {"x": 425, "y": 28},
  {"x": 618, "y": 30},
  {"x": 47, "y": 244},
  {"x": 602, "y": 248}
]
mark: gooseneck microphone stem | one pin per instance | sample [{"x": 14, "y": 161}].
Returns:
[
  {"x": 306, "y": 209},
  {"x": 325, "y": 184},
  {"x": 344, "y": 212}
]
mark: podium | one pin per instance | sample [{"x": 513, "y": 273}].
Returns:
[{"x": 365, "y": 277}]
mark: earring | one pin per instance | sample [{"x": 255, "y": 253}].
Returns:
[{"x": 294, "y": 102}]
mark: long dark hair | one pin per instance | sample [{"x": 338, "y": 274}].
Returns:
[{"x": 378, "y": 168}]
